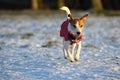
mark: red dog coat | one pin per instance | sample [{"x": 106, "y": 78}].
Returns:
[{"x": 67, "y": 35}]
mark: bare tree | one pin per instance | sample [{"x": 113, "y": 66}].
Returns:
[
  {"x": 97, "y": 5},
  {"x": 40, "y": 4},
  {"x": 35, "y": 4},
  {"x": 60, "y": 3}
]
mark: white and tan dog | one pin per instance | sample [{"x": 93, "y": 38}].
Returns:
[{"x": 71, "y": 31}]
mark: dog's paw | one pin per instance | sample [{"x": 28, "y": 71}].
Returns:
[
  {"x": 65, "y": 57},
  {"x": 72, "y": 60},
  {"x": 76, "y": 59}
]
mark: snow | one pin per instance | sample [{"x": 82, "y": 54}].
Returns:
[{"x": 31, "y": 49}]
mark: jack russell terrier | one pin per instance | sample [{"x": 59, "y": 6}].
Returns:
[{"x": 71, "y": 31}]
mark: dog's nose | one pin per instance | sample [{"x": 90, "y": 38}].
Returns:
[{"x": 78, "y": 33}]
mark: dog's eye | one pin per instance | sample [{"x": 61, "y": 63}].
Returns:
[
  {"x": 81, "y": 26},
  {"x": 74, "y": 26}
]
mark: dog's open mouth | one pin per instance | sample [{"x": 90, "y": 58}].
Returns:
[{"x": 73, "y": 36}]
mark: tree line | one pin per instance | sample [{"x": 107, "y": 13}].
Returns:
[{"x": 97, "y": 5}]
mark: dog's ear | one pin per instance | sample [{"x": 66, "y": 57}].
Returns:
[
  {"x": 71, "y": 17},
  {"x": 83, "y": 19}
]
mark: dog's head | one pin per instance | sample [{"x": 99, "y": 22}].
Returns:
[{"x": 77, "y": 25}]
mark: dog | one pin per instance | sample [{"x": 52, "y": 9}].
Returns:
[{"x": 71, "y": 31}]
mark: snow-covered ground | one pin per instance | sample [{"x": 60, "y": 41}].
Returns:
[{"x": 31, "y": 49}]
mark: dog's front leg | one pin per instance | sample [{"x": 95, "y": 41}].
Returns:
[
  {"x": 78, "y": 52},
  {"x": 72, "y": 53},
  {"x": 65, "y": 49},
  {"x": 65, "y": 53}
]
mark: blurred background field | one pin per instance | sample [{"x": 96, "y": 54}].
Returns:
[{"x": 31, "y": 48}]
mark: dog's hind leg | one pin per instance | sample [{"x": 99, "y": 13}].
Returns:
[{"x": 65, "y": 53}]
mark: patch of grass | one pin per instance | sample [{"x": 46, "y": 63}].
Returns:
[
  {"x": 49, "y": 44},
  {"x": 9, "y": 35},
  {"x": 111, "y": 13},
  {"x": 108, "y": 13},
  {"x": 24, "y": 46},
  {"x": 91, "y": 46},
  {"x": 27, "y": 35},
  {"x": 3, "y": 42},
  {"x": 0, "y": 48}
]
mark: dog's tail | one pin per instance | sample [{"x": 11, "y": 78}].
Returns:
[{"x": 66, "y": 9}]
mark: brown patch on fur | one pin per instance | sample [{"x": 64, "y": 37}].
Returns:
[
  {"x": 83, "y": 19},
  {"x": 71, "y": 18},
  {"x": 74, "y": 22}
]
